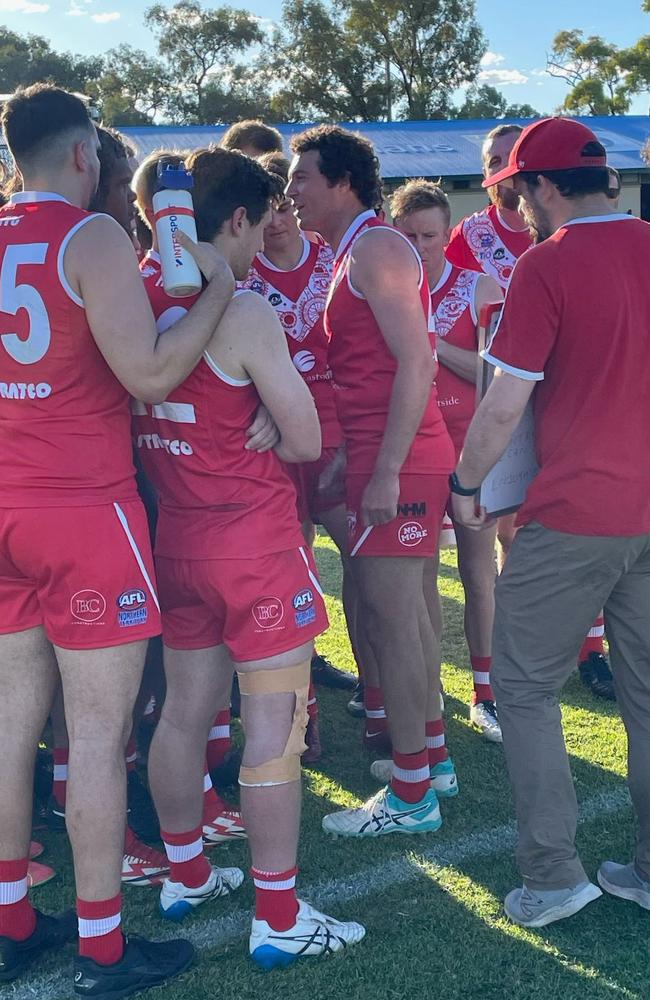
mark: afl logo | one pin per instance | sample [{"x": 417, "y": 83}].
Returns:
[
  {"x": 303, "y": 600},
  {"x": 268, "y": 612},
  {"x": 411, "y": 533},
  {"x": 304, "y": 361},
  {"x": 132, "y": 599},
  {"x": 87, "y": 606}
]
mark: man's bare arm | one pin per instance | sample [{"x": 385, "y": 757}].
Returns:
[{"x": 102, "y": 269}]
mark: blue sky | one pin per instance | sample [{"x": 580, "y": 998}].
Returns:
[{"x": 519, "y": 34}]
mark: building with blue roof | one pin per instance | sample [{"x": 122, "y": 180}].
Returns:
[{"x": 449, "y": 150}]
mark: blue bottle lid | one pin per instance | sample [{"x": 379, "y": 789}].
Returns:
[{"x": 173, "y": 178}]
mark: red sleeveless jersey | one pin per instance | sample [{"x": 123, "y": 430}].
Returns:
[
  {"x": 453, "y": 306},
  {"x": 217, "y": 500},
  {"x": 298, "y": 297},
  {"x": 64, "y": 417},
  {"x": 364, "y": 370},
  {"x": 483, "y": 242}
]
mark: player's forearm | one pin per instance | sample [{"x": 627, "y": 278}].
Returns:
[
  {"x": 408, "y": 401},
  {"x": 459, "y": 361},
  {"x": 487, "y": 439},
  {"x": 179, "y": 349}
]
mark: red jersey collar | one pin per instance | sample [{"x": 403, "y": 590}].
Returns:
[{"x": 352, "y": 230}]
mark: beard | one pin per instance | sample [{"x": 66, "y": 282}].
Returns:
[
  {"x": 537, "y": 221},
  {"x": 504, "y": 197}
]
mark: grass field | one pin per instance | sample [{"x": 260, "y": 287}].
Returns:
[{"x": 431, "y": 905}]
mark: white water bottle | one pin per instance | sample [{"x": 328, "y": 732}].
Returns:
[{"x": 173, "y": 211}]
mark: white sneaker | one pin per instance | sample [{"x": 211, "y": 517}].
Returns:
[
  {"x": 443, "y": 776},
  {"x": 226, "y": 826},
  {"x": 385, "y": 813},
  {"x": 177, "y": 900},
  {"x": 484, "y": 716},
  {"x": 313, "y": 933}
]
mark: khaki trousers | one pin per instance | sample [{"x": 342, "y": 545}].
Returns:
[{"x": 547, "y": 598}]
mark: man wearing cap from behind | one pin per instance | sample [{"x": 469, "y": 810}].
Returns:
[{"x": 577, "y": 312}]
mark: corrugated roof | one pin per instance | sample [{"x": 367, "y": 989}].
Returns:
[{"x": 429, "y": 149}]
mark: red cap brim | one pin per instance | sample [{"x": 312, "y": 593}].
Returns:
[{"x": 502, "y": 175}]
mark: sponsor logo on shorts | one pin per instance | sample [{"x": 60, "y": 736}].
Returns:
[
  {"x": 132, "y": 608},
  {"x": 268, "y": 612},
  {"x": 411, "y": 533},
  {"x": 305, "y": 612},
  {"x": 416, "y": 509},
  {"x": 88, "y": 606}
]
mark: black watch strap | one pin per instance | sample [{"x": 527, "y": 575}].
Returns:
[{"x": 455, "y": 487}]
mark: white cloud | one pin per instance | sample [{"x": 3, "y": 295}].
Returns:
[
  {"x": 492, "y": 59},
  {"x": 23, "y": 7},
  {"x": 504, "y": 77},
  {"x": 105, "y": 18}
]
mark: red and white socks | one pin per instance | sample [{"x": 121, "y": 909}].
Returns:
[
  {"x": 435, "y": 740},
  {"x": 219, "y": 740},
  {"x": 594, "y": 640},
  {"x": 481, "y": 675},
  {"x": 411, "y": 777},
  {"x": 100, "y": 933},
  {"x": 60, "y": 775},
  {"x": 213, "y": 804},
  {"x": 275, "y": 898},
  {"x": 187, "y": 862},
  {"x": 17, "y": 916},
  {"x": 376, "y": 721}
]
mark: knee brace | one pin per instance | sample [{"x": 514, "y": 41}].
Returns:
[{"x": 287, "y": 680}]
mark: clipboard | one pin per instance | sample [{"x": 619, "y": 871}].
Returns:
[{"x": 504, "y": 488}]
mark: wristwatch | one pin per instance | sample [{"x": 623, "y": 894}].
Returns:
[{"x": 455, "y": 487}]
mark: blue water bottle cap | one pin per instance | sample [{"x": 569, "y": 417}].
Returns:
[{"x": 174, "y": 178}]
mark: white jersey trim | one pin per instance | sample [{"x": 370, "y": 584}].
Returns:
[
  {"x": 228, "y": 379},
  {"x": 377, "y": 229},
  {"x": 519, "y": 372},
  {"x": 590, "y": 219},
  {"x": 306, "y": 248},
  {"x": 446, "y": 271},
  {"x": 508, "y": 228},
  {"x": 472, "y": 302},
  {"x": 23, "y": 197},
  {"x": 65, "y": 284},
  {"x": 350, "y": 231}
]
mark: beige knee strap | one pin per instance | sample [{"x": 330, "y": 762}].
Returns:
[{"x": 287, "y": 680}]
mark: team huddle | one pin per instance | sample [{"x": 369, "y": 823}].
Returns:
[{"x": 324, "y": 375}]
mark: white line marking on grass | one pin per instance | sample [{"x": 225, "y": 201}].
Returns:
[{"x": 220, "y": 931}]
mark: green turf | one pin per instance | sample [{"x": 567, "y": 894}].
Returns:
[{"x": 443, "y": 933}]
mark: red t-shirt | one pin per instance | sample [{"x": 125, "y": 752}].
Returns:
[
  {"x": 483, "y": 242},
  {"x": 64, "y": 417},
  {"x": 364, "y": 371},
  {"x": 454, "y": 319},
  {"x": 298, "y": 297},
  {"x": 576, "y": 320}
]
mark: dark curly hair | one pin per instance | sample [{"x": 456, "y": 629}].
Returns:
[
  {"x": 344, "y": 154},
  {"x": 113, "y": 147},
  {"x": 225, "y": 180}
]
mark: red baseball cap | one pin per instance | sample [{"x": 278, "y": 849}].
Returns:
[{"x": 549, "y": 144}]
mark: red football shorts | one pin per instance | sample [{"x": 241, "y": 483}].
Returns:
[
  {"x": 84, "y": 573},
  {"x": 305, "y": 477},
  {"x": 255, "y": 607},
  {"x": 414, "y": 532}
]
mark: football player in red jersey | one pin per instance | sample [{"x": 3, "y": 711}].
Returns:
[
  {"x": 398, "y": 454},
  {"x": 75, "y": 562},
  {"x": 237, "y": 582},
  {"x": 421, "y": 211}
]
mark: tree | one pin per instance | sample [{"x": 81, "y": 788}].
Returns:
[
  {"x": 200, "y": 43},
  {"x": 326, "y": 73},
  {"x": 488, "y": 102},
  {"x": 29, "y": 59},
  {"x": 133, "y": 87},
  {"x": 594, "y": 70},
  {"x": 431, "y": 48}
]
